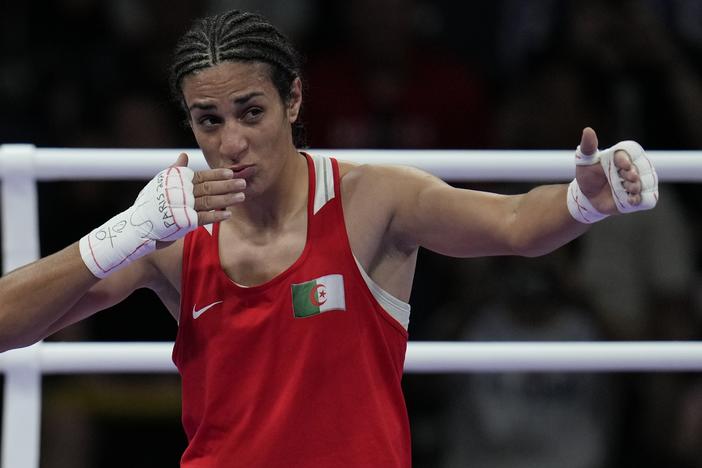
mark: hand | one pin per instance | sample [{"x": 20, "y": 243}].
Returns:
[
  {"x": 173, "y": 203},
  {"x": 593, "y": 181},
  {"x": 214, "y": 190}
]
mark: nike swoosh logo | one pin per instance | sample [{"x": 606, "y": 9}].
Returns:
[{"x": 199, "y": 312}]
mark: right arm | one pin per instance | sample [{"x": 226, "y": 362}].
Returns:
[
  {"x": 45, "y": 296},
  {"x": 54, "y": 292}
]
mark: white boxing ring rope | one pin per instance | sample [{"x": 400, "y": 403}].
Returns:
[
  {"x": 424, "y": 357},
  {"x": 22, "y": 166}
]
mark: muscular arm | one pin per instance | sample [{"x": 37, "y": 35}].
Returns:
[
  {"x": 50, "y": 294},
  {"x": 428, "y": 212},
  {"x": 55, "y": 291},
  {"x": 467, "y": 223}
]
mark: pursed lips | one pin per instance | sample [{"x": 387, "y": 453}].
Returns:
[{"x": 243, "y": 172}]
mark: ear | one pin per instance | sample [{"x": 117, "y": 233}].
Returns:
[{"x": 295, "y": 101}]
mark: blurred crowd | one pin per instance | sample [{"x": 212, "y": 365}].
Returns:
[{"x": 415, "y": 74}]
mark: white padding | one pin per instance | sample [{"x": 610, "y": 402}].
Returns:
[{"x": 647, "y": 173}]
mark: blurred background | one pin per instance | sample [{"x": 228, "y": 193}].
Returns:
[{"x": 485, "y": 74}]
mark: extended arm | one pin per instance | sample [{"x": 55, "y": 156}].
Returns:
[{"x": 466, "y": 223}]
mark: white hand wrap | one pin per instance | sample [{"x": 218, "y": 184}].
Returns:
[
  {"x": 580, "y": 207},
  {"x": 163, "y": 211}
]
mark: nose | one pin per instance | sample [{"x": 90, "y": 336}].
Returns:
[{"x": 233, "y": 142}]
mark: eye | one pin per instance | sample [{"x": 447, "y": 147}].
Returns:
[
  {"x": 207, "y": 121},
  {"x": 253, "y": 114}
]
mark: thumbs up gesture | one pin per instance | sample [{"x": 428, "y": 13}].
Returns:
[{"x": 620, "y": 179}]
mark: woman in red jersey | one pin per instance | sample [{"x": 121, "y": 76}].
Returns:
[{"x": 289, "y": 273}]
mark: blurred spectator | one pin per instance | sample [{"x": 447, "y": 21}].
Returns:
[
  {"x": 639, "y": 272},
  {"x": 639, "y": 276},
  {"x": 625, "y": 69},
  {"x": 524, "y": 31},
  {"x": 530, "y": 420},
  {"x": 548, "y": 108},
  {"x": 686, "y": 437},
  {"x": 618, "y": 61},
  {"x": 142, "y": 122},
  {"x": 379, "y": 83},
  {"x": 294, "y": 17},
  {"x": 621, "y": 77}
]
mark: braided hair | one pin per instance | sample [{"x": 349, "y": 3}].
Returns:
[{"x": 237, "y": 36}]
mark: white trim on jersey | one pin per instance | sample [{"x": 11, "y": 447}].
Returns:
[
  {"x": 323, "y": 192},
  {"x": 324, "y": 182},
  {"x": 399, "y": 310}
]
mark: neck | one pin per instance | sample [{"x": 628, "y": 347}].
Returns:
[{"x": 281, "y": 201}]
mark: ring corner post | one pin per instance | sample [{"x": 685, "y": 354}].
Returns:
[{"x": 20, "y": 245}]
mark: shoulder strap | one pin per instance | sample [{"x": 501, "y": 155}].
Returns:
[{"x": 324, "y": 182}]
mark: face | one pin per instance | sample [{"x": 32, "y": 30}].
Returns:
[{"x": 240, "y": 121}]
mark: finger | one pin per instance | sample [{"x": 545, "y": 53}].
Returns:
[
  {"x": 218, "y": 187},
  {"x": 212, "y": 174},
  {"x": 217, "y": 202},
  {"x": 588, "y": 141},
  {"x": 632, "y": 188},
  {"x": 630, "y": 180},
  {"x": 630, "y": 175},
  {"x": 209, "y": 217},
  {"x": 182, "y": 161},
  {"x": 623, "y": 161}
]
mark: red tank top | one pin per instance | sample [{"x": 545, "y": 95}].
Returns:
[{"x": 301, "y": 371}]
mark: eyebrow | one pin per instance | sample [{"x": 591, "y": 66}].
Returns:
[
  {"x": 200, "y": 105},
  {"x": 238, "y": 101},
  {"x": 247, "y": 97}
]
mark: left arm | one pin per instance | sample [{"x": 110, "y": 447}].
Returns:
[
  {"x": 468, "y": 223},
  {"x": 465, "y": 223}
]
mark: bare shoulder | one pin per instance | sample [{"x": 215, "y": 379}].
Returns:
[
  {"x": 377, "y": 200},
  {"x": 394, "y": 182},
  {"x": 385, "y": 190}
]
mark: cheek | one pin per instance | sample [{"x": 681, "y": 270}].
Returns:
[
  {"x": 205, "y": 141},
  {"x": 268, "y": 135},
  {"x": 197, "y": 135},
  {"x": 205, "y": 144}
]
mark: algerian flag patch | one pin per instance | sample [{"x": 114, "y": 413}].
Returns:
[{"x": 319, "y": 295}]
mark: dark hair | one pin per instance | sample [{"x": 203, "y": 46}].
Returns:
[{"x": 237, "y": 36}]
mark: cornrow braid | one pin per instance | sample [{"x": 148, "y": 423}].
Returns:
[{"x": 237, "y": 36}]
